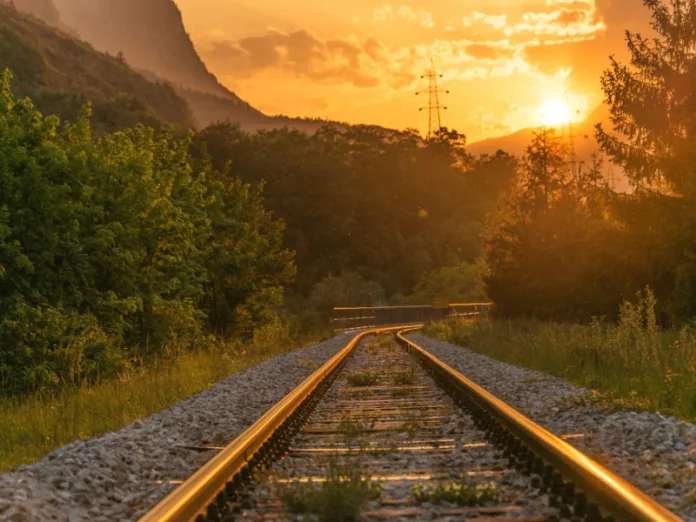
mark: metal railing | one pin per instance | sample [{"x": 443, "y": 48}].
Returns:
[{"x": 350, "y": 318}]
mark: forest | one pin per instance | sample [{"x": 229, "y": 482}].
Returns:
[{"x": 119, "y": 236}]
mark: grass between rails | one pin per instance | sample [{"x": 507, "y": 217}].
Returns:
[
  {"x": 632, "y": 364},
  {"x": 33, "y": 427}
]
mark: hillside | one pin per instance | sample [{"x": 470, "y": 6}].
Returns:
[
  {"x": 62, "y": 73},
  {"x": 152, "y": 39},
  {"x": 585, "y": 144},
  {"x": 150, "y": 34},
  {"x": 517, "y": 142},
  {"x": 43, "y": 9}
]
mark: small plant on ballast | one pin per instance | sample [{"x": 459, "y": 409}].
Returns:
[
  {"x": 354, "y": 428},
  {"x": 405, "y": 378},
  {"x": 461, "y": 493},
  {"x": 362, "y": 378},
  {"x": 337, "y": 498}
]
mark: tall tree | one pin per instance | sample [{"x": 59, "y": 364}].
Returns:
[
  {"x": 652, "y": 103},
  {"x": 540, "y": 244}
]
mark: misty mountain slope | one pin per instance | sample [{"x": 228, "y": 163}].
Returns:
[
  {"x": 153, "y": 39},
  {"x": 585, "y": 143},
  {"x": 62, "y": 73},
  {"x": 43, "y": 9},
  {"x": 150, "y": 34},
  {"x": 517, "y": 142}
]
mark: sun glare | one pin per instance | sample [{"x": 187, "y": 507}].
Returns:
[{"x": 555, "y": 113}]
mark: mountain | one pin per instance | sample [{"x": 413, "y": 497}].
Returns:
[
  {"x": 149, "y": 33},
  {"x": 42, "y": 9},
  {"x": 585, "y": 144},
  {"x": 151, "y": 36},
  {"x": 517, "y": 142},
  {"x": 62, "y": 73}
]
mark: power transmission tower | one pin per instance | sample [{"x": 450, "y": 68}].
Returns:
[
  {"x": 434, "y": 91},
  {"x": 572, "y": 157},
  {"x": 610, "y": 175}
]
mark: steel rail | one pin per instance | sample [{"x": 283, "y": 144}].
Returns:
[
  {"x": 195, "y": 494},
  {"x": 612, "y": 494}
]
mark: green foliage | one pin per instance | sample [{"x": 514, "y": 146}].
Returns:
[
  {"x": 348, "y": 289},
  {"x": 456, "y": 284},
  {"x": 115, "y": 247},
  {"x": 632, "y": 364},
  {"x": 35, "y": 425},
  {"x": 338, "y": 498},
  {"x": 383, "y": 204},
  {"x": 461, "y": 493},
  {"x": 61, "y": 74},
  {"x": 548, "y": 246}
]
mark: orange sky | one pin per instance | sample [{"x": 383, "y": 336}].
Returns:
[{"x": 361, "y": 61}]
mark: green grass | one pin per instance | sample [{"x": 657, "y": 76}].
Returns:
[
  {"x": 32, "y": 427},
  {"x": 361, "y": 378},
  {"x": 337, "y": 499},
  {"x": 461, "y": 493},
  {"x": 405, "y": 378},
  {"x": 354, "y": 428},
  {"x": 632, "y": 364}
]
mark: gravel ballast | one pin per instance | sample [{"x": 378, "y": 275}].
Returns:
[
  {"x": 654, "y": 452},
  {"x": 122, "y": 474}
]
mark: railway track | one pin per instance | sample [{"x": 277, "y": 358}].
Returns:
[{"x": 385, "y": 431}]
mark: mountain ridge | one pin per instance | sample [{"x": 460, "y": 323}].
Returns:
[{"x": 61, "y": 74}]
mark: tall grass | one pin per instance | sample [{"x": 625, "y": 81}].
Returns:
[
  {"x": 32, "y": 427},
  {"x": 634, "y": 363}
]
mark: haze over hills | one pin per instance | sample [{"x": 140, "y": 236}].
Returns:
[
  {"x": 584, "y": 141},
  {"x": 43, "y": 9},
  {"x": 152, "y": 38},
  {"x": 62, "y": 73}
]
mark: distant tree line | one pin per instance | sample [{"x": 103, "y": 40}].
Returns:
[{"x": 385, "y": 205}]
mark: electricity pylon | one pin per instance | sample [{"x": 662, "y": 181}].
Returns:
[
  {"x": 572, "y": 157},
  {"x": 433, "y": 107}
]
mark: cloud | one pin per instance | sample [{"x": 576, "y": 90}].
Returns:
[
  {"x": 387, "y": 13},
  {"x": 555, "y": 19},
  {"x": 339, "y": 61},
  {"x": 495, "y": 21}
]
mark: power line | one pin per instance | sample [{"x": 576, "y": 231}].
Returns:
[
  {"x": 433, "y": 107},
  {"x": 572, "y": 157},
  {"x": 611, "y": 176}
]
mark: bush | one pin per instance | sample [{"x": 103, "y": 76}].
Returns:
[
  {"x": 634, "y": 362},
  {"x": 348, "y": 289},
  {"x": 113, "y": 248}
]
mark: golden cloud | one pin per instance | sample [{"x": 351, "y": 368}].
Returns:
[
  {"x": 407, "y": 13},
  {"x": 339, "y": 61}
]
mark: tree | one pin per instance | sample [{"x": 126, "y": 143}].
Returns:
[
  {"x": 535, "y": 245},
  {"x": 347, "y": 289},
  {"x": 652, "y": 102},
  {"x": 119, "y": 246}
]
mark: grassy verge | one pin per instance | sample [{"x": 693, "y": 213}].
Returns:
[
  {"x": 632, "y": 364},
  {"x": 32, "y": 427}
]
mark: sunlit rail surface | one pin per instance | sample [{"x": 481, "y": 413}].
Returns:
[
  {"x": 349, "y": 318},
  {"x": 455, "y": 428}
]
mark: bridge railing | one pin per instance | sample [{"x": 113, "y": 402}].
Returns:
[{"x": 348, "y": 318}]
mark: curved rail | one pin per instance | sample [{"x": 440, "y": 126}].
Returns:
[
  {"x": 614, "y": 496},
  {"x": 610, "y": 492},
  {"x": 195, "y": 494}
]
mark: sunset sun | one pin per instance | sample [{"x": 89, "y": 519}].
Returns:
[{"x": 554, "y": 113}]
